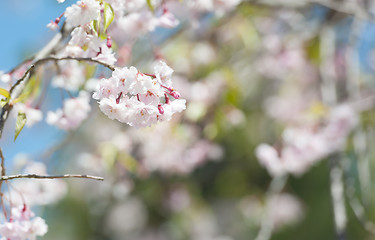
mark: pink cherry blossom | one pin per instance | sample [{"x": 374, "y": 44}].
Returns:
[
  {"x": 23, "y": 225},
  {"x": 82, "y": 12},
  {"x": 75, "y": 110}
]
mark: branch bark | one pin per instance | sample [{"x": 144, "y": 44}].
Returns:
[{"x": 35, "y": 176}]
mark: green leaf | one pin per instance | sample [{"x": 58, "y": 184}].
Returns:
[
  {"x": 20, "y": 123},
  {"x": 3, "y": 102},
  {"x": 32, "y": 89},
  {"x": 109, "y": 15},
  {"x": 95, "y": 26},
  {"x": 5, "y": 93},
  {"x": 149, "y": 4}
]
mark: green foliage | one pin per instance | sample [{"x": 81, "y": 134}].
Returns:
[
  {"x": 20, "y": 123},
  {"x": 5, "y": 93},
  {"x": 109, "y": 15},
  {"x": 149, "y": 4}
]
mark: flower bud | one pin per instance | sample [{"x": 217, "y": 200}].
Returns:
[
  {"x": 109, "y": 41},
  {"x": 160, "y": 108}
]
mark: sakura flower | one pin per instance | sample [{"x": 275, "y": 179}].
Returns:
[
  {"x": 173, "y": 107},
  {"x": 125, "y": 76},
  {"x": 106, "y": 55},
  {"x": 82, "y": 12},
  {"x": 303, "y": 146},
  {"x": 106, "y": 88},
  {"x": 145, "y": 115},
  {"x": 135, "y": 98},
  {"x": 118, "y": 7},
  {"x": 141, "y": 84},
  {"x": 71, "y": 75},
  {"x": 53, "y": 25},
  {"x": 167, "y": 20},
  {"x": 80, "y": 37},
  {"x": 112, "y": 109},
  {"x": 269, "y": 158},
  {"x": 163, "y": 73},
  {"x": 136, "y": 5},
  {"x": 74, "y": 112},
  {"x": 175, "y": 152},
  {"x": 137, "y": 23},
  {"x": 4, "y": 77},
  {"x": 341, "y": 120},
  {"x": 290, "y": 213},
  {"x": 23, "y": 225},
  {"x": 91, "y": 84},
  {"x": 73, "y": 51},
  {"x": 32, "y": 115}
]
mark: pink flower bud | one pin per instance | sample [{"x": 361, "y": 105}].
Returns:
[
  {"x": 176, "y": 95},
  {"x": 118, "y": 98},
  {"x": 160, "y": 108},
  {"x": 109, "y": 41},
  {"x": 167, "y": 101}
]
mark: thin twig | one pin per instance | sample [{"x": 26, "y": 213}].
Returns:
[
  {"x": 8, "y": 107},
  {"x": 1, "y": 183},
  {"x": 35, "y": 176},
  {"x": 47, "y": 59},
  {"x": 2, "y": 164},
  {"x": 111, "y": 67}
]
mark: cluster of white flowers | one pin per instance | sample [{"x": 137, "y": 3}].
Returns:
[
  {"x": 82, "y": 12},
  {"x": 303, "y": 146},
  {"x": 75, "y": 110},
  {"x": 139, "y": 99},
  {"x": 23, "y": 225}
]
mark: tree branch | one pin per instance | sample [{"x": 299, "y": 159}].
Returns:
[
  {"x": 111, "y": 67},
  {"x": 35, "y": 176},
  {"x": 8, "y": 107}
]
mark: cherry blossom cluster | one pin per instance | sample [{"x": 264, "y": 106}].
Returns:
[
  {"x": 102, "y": 32},
  {"x": 22, "y": 225},
  {"x": 75, "y": 110},
  {"x": 303, "y": 146},
  {"x": 139, "y": 99}
]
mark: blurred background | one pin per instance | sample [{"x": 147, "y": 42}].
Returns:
[{"x": 248, "y": 73}]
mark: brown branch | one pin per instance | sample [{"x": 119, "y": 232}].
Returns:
[
  {"x": 2, "y": 164},
  {"x": 111, "y": 67},
  {"x": 8, "y": 107},
  {"x": 47, "y": 59},
  {"x": 1, "y": 183},
  {"x": 35, "y": 176}
]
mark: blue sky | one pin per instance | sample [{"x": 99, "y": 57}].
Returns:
[
  {"x": 23, "y": 28},
  {"x": 24, "y": 32}
]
